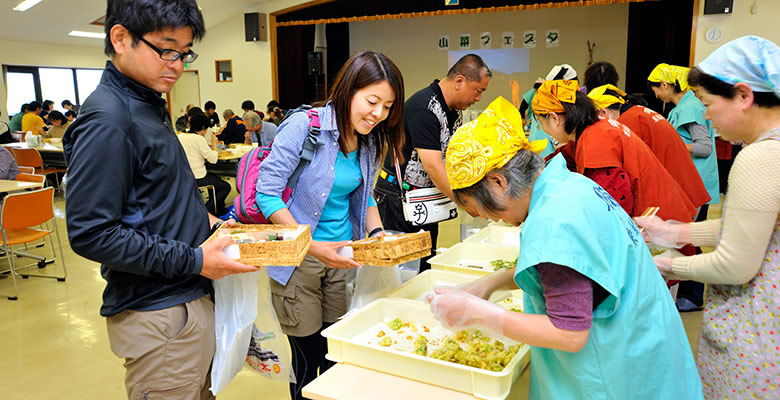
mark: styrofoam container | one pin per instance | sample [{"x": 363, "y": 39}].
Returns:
[
  {"x": 345, "y": 345},
  {"x": 472, "y": 258},
  {"x": 496, "y": 234},
  {"x": 417, "y": 288}
]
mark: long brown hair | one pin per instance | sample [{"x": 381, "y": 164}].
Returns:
[{"x": 366, "y": 68}]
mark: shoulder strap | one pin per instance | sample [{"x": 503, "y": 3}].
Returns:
[{"x": 307, "y": 153}]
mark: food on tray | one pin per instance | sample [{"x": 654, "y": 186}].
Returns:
[
  {"x": 266, "y": 244},
  {"x": 421, "y": 345},
  {"x": 502, "y": 264},
  {"x": 474, "y": 350},
  {"x": 512, "y": 304},
  {"x": 241, "y": 236},
  {"x": 396, "y": 324}
]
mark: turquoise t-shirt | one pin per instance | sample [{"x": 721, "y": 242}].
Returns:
[
  {"x": 637, "y": 348},
  {"x": 691, "y": 110},
  {"x": 536, "y": 132},
  {"x": 334, "y": 224}
]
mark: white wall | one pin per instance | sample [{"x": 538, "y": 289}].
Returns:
[
  {"x": 411, "y": 43},
  {"x": 739, "y": 23},
  {"x": 38, "y": 54}
]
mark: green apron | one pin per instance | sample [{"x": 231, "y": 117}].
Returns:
[
  {"x": 691, "y": 110},
  {"x": 637, "y": 347}
]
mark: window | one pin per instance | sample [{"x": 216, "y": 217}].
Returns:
[
  {"x": 87, "y": 80},
  {"x": 224, "y": 70},
  {"x": 21, "y": 89},
  {"x": 26, "y": 84},
  {"x": 57, "y": 85}
]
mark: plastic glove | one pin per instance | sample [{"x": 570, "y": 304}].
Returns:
[
  {"x": 664, "y": 265},
  {"x": 455, "y": 309},
  {"x": 485, "y": 286},
  {"x": 663, "y": 233}
]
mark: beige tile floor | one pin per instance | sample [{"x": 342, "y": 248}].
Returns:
[{"x": 54, "y": 343}]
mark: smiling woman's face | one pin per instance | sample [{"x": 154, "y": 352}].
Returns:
[{"x": 370, "y": 106}]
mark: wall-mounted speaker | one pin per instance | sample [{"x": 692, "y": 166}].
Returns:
[
  {"x": 718, "y": 6},
  {"x": 315, "y": 63},
  {"x": 255, "y": 27}
]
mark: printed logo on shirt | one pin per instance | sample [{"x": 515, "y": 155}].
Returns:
[{"x": 612, "y": 205}]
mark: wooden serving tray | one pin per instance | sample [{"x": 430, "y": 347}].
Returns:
[
  {"x": 270, "y": 253},
  {"x": 392, "y": 249}
]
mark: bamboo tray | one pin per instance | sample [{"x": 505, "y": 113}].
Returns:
[
  {"x": 270, "y": 253},
  {"x": 392, "y": 249}
]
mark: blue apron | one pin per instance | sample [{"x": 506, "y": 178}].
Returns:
[
  {"x": 536, "y": 132},
  {"x": 637, "y": 347},
  {"x": 691, "y": 110}
]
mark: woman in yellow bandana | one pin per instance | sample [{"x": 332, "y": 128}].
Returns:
[
  {"x": 670, "y": 85},
  {"x": 608, "y": 152},
  {"x": 597, "y": 313}
]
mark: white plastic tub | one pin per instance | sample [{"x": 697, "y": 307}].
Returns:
[
  {"x": 345, "y": 344},
  {"x": 497, "y": 235},
  {"x": 418, "y": 287},
  {"x": 472, "y": 258}
]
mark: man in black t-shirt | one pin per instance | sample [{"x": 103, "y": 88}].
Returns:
[
  {"x": 210, "y": 109},
  {"x": 431, "y": 117}
]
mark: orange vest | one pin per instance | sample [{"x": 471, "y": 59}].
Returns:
[
  {"x": 609, "y": 143},
  {"x": 669, "y": 148}
]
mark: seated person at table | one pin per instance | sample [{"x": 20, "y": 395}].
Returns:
[
  {"x": 211, "y": 139},
  {"x": 5, "y": 132},
  {"x": 70, "y": 115},
  {"x": 59, "y": 125},
  {"x": 31, "y": 122},
  {"x": 198, "y": 152},
  {"x": 46, "y": 108},
  {"x": 211, "y": 111},
  {"x": 266, "y": 134},
  {"x": 234, "y": 131},
  {"x": 8, "y": 167},
  {"x": 15, "y": 124},
  {"x": 181, "y": 122}
]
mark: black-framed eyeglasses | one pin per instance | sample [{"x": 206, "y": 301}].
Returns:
[{"x": 170, "y": 54}]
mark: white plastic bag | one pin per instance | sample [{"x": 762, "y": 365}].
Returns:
[
  {"x": 235, "y": 310},
  {"x": 269, "y": 353},
  {"x": 372, "y": 283}
]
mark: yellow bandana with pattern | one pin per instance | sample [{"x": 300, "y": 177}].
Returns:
[{"x": 487, "y": 143}]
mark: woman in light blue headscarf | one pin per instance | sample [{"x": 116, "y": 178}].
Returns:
[{"x": 739, "y": 347}]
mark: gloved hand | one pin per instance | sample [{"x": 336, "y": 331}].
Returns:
[
  {"x": 456, "y": 308},
  {"x": 485, "y": 286},
  {"x": 669, "y": 233},
  {"x": 664, "y": 264}
]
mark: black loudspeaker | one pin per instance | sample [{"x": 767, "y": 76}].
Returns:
[
  {"x": 315, "y": 63},
  {"x": 718, "y": 6},
  {"x": 255, "y": 27}
]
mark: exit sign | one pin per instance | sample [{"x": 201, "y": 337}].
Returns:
[{"x": 451, "y": 2}]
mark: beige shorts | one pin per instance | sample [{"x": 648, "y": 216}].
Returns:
[
  {"x": 314, "y": 294},
  {"x": 167, "y": 352}
]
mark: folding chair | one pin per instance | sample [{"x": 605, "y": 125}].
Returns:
[
  {"x": 25, "y": 177},
  {"x": 20, "y": 212},
  {"x": 210, "y": 191},
  {"x": 32, "y": 158},
  {"x": 26, "y": 170}
]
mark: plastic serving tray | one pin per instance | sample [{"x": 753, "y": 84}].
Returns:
[
  {"x": 418, "y": 287},
  {"x": 472, "y": 258},
  {"x": 343, "y": 347},
  {"x": 498, "y": 235}
]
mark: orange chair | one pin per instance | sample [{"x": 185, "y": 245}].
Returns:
[
  {"x": 26, "y": 170},
  {"x": 32, "y": 158},
  {"x": 25, "y": 177},
  {"x": 20, "y": 213}
]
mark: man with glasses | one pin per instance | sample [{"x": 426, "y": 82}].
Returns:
[{"x": 133, "y": 205}]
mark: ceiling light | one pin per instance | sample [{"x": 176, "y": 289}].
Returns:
[
  {"x": 95, "y": 35},
  {"x": 26, "y": 5}
]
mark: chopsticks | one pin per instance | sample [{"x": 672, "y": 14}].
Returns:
[{"x": 649, "y": 212}]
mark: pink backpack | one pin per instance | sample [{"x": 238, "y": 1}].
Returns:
[{"x": 249, "y": 167}]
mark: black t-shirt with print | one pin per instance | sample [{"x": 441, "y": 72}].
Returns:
[{"x": 425, "y": 113}]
